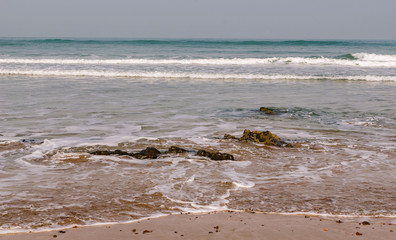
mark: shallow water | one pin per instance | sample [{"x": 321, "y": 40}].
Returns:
[{"x": 343, "y": 132}]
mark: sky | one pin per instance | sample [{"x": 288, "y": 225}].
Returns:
[{"x": 245, "y": 19}]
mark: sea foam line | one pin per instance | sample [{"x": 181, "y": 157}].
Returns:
[
  {"x": 186, "y": 75},
  {"x": 360, "y": 60}
]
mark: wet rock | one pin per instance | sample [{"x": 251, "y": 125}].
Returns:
[
  {"x": 148, "y": 153},
  {"x": 174, "y": 149},
  {"x": 106, "y": 153},
  {"x": 228, "y": 136},
  {"x": 32, "y": 141},
  {"x": 267, "y": 111},
  {"x": 217, "y": 156},
  {"x": 265, "y": 137},
  {"x": 365, "y": 223}
]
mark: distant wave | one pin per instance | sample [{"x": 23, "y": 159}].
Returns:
[
  {"x": 354, "y": 60},
  {"x": 185, "y": 75},
  {"x": 196, "y": 42}
]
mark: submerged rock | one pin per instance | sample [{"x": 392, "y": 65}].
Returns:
[
  {"x": 265, "y": 137},
  {"x": 174, "y": 149},
  {"x": 267, "y": 111},
  {"x": 32, "y": 141},
  {"x": 217, "y": 156},
  {"x": 228, "y": 136},
  {"x": 148, "y": 153},
  {"x": 106, "y": 152}
]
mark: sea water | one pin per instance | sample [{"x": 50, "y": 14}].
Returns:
[{"x": 62, "y": 99}]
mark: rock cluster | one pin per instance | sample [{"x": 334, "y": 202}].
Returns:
[{"x": 153, "y": 153}]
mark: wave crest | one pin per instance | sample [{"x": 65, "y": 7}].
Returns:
[
  {"x": 186, "y": 75},
  {"x": 351, "y": 60}
]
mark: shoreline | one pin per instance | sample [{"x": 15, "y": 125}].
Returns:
[{"x": 226, "y": 225}]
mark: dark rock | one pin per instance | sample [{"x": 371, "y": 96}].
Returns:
[
  {"x": 174, "y": 149},
  {"x": 32, "y": 141},
  {"x": 148, "y": 153},
  {"x": 217, "y": 156},
  {"x": 228, "y": 136},
  {"x": 106, "y": 152},
  {"x": 267, "y": 111},
  {"x": 265, "y": 137},
  {"x": 365, "y": 223}
]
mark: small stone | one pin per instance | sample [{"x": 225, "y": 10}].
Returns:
[
  {"x": 148, "y": 153},
  {"x": 338, "y": 221},
  {"x": 228, "y": 136},
  {"x": 62, "y": 231},
  {"x": 217, "y": 156},
  {"x": 267, "y": 111},
  {"x": 133, "y": 230},
  {"x": 210, "y": 232},
  {"x": 359, "y": 234},
  {"x": 147, "y": 231},
  {"x": 365, "y": 223},
  {"x": 174, "y": 149},
  {"x": 55, "y": 236}
]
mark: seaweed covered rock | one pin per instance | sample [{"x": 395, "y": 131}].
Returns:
[
  {"x": 265, "y": 137},
  {"x": 174, "y": 149},
  {"x": 148, "y": 153},
  {"x": 107, "y": 152},
  {"x": 267, "y": 111},
  {"x": 228, "y": 136},
  {"x": 217, "y": 156}
]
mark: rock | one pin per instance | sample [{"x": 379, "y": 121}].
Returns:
[
  {"x": 265, "y": 137},
  {"x": 106, "y": 152},
  {"x": 267, "y": 111},
  {"x": 32, "y": 141},
  {"x": 217, "y": 156},
  {"x": 148, "y": 153},
  {"x": 365, "y": 223},
  {"x": 174, "y": 149},
  {"x": 228, "y": 136}
]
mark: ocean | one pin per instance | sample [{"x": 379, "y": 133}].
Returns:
[{"x": 61, "y": 100}]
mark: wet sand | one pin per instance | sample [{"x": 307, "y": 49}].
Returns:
[{"x": 227, "y": 225}]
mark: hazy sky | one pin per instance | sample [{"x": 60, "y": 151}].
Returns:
[{"x": 264, "y": 19}]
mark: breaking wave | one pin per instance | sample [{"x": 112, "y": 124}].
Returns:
[
  {"x": 187, "y": 75},
  {"x": 352, "y": 60}
]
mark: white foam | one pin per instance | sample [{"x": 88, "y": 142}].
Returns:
[
  {"x": 362, "y": 60},
  {"x": 188, "y": 75}
]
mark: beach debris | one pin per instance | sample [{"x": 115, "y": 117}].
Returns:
[
  {"x": 359, "y": 234},
  {"x": 326, "y": 229},
  {"x": 174, "y": 149},
  {"x": 217, "y": 156},
  {"x": 61, "y": 231},
  {"x": 267, "y": 111},
  {"x": 216, "y": 228},
  {"x": 338, "y": 221},
  {"x": 54, "y": 236},
  {"x": 365, "y": 223},
  {"x": 147, "y": 231}
]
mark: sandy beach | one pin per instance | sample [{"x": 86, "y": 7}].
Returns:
[{"x": 227, "y": 225}]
